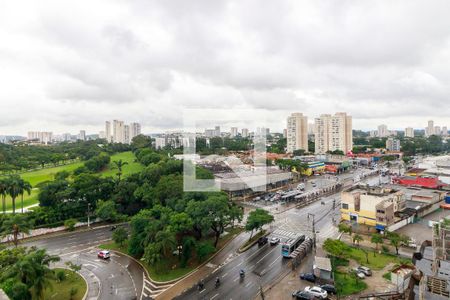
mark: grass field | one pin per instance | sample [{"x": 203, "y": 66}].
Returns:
[
  {"x": 348, "y": 284},
  {"x": 376, "y": 261},
  {"x": 130, "y": 168},
  {"x": 36, "y": 177},
  {"x": 61, "y": 290},
  {"x": 48, "y": 174}
]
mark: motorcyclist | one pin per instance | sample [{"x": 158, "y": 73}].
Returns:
[
  {"x": 242, "y": 273},
  {"x": 217, "y": 281}
]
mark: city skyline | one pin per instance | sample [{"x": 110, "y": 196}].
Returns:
[{"x": 72, "y": 74}]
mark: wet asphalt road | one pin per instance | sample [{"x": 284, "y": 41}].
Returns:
[{"x": 116, "y": 278}]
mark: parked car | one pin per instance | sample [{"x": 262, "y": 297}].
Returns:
[
  {"x": 331, "y": 289},
  {"x": 308, "y": 277},
  {"x": 317, "y": 291},
  {"x": 365, "y": 270},
  {"x": 302, "y": 295},
  {"x": 274, "y": 240},
  {"x": 104, "y": 254},
  {"x": 359, "y": 274},
  {"x": 262, "y": 240}
]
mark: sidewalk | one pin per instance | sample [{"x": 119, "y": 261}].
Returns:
[{"x": 228, "y": 252}]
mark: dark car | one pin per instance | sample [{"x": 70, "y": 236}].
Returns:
[
  {"x": 262, "y": 240},
  {"x": 308, "y": 277},
  {"x": 302, "y": 295},
  {"x": 329, "y": 288}
]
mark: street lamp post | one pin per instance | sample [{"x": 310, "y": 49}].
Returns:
[
  {"x": 313, "y": 228},
  {"x": 89, "y": 215}
]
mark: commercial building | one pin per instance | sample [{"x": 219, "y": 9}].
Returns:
[
  {"x": 333, "y": 133},
  {"x": 382, "y": 131},
  {"x": 409, "y": 132},
  {"x": 392, "y": 144},
  {"x": 372, "y": 206},
  {"x": 297, "y": 132}
]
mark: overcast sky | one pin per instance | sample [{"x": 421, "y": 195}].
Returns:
[{"x": 71, "y": 65}]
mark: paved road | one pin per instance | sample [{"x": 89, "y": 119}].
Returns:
[{"x": 117, "y": 278}]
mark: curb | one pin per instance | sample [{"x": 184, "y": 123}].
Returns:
[
  {"x": 242, "y": 250},
  {"x": 207, "y": 261}
]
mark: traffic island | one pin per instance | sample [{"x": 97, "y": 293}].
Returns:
[{"x": 248, "y": 244}]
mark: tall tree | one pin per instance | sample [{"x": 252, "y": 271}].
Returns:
[
  {"x": 14, "y": 189},
  {"x": 119, "y": 166},
  {"x": 3, "y": 192},
  {"x": 25, "y": 186},
  {"x": 14, "y": 225}
]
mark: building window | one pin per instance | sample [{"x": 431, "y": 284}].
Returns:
[{"x": 344, "y": 206}]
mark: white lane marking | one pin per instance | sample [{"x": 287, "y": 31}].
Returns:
[
  {"x": 235, "y": 279},
  {"x": 266, "y": 255},
  {"x": 202, "y": 291},
  {"x": 224, "y": 275},
  {"x": 274, "y": 261},
  {"x": 214, "y": 296},
  {"x": 248, "y": 284}
]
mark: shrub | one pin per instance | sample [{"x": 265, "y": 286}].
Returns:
[
  {"x": 60, "y": 275},
  {"x": 70, "y": 224}
]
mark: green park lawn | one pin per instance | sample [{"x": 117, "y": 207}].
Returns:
[
  {"x": 128, "y": 169},
  {"x": 377, "y": 261},
  {"x": 48, "y": 174},
  {"x": 61, "y": 290},
  {"x": 348, "y": 284},
  {"x": 36, "y": 177}
]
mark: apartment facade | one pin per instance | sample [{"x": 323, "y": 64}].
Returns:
[
  {"x": 409, "y": 132},
  {"x": 108, "y": 135},
  {"x": 44, "y": 137},
  {"x": 392, "y": 144},
  {"x": 383, "y": 131},
  {"x": 371, "y": 206},
  {"x": 233, "y": 132},
  {"x": 333, "y": 132},
  {"x": 244, "y": 132},
  {"x": 297, "y": 132}
]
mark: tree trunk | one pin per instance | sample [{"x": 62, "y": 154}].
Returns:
[
  {"x": 22, "y": 203},
  {"x": 14, "y": 205}
]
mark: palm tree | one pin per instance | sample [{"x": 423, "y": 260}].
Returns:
[
  {"x": 119, "y": 165},
  {"x": 25, "y": 187},
  {"x": 3, "y": 192},
  {"x": 357, "y": 239},
  {"x": 15, "y": 225},
  {"x": 167, "y": 241},
  {"x": 42, "y": 273},
  {"x": 14, "y": 189}
]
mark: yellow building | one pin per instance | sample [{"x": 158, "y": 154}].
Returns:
[{"x": 371, "y": 206}]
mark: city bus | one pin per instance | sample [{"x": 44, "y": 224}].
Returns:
[{"x": 290, "y": 245}]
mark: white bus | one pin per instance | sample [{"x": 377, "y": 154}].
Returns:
[{"x": 290, "y": 245}]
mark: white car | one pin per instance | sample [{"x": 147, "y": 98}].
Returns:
[{"x": 317, "y": 292}]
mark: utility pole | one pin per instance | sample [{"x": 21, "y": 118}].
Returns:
[
  {"x": 89, "y": 215},
  {"x": 313, "y": 228}
]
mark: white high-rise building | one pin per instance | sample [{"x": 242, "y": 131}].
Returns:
[
  {"x": 135, "y": 130},
  {"x": 233, "y": 132},
  {"x": 126, "y": 134},
  {"x": 44, "y": 137},
  {"x": 392, "y": 144},
  {"x": 333, "y": 133},
  {"x": 383, "y": 131},
  {"x": 297, "y": 132},
  {"x": 244, "y": 132},
  {"x": 409, "y": 132},
  {"x": 437, "y": 130},
  {"x": 444, "y": 131},
  {"x": 108, "y": 131},
  {"x": 82, "y": 135},
  {"x": 118, "y": 132},
  {"x": 430, "y": 128}
]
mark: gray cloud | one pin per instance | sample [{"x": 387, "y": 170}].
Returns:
[{"x": 77, "y": 65}]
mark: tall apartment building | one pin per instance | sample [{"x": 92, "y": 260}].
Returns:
[
  {"x": 44, "y": 137},
  {"x": 383, "y": 131},
  {"x": 333, "y": 133},
  {"x": 244, "y": 132},
  {"x": 126, "y": 134},
  {"x": 430, "y": 128},
  {"x": 297, "y": 132},
  {"x": 437, "y": 130},
  {"x": 409, "y": 132},
  {"x": 108, "y": 131},
  {"x": 233, "y": 131},
  {"x": 82, "y": 135},
  {"x": 392, "y": 144},
  {"x": 135, "y": 130},
  {"x": 444, "y": 131},
  {"x": 118, "y": 132}
]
